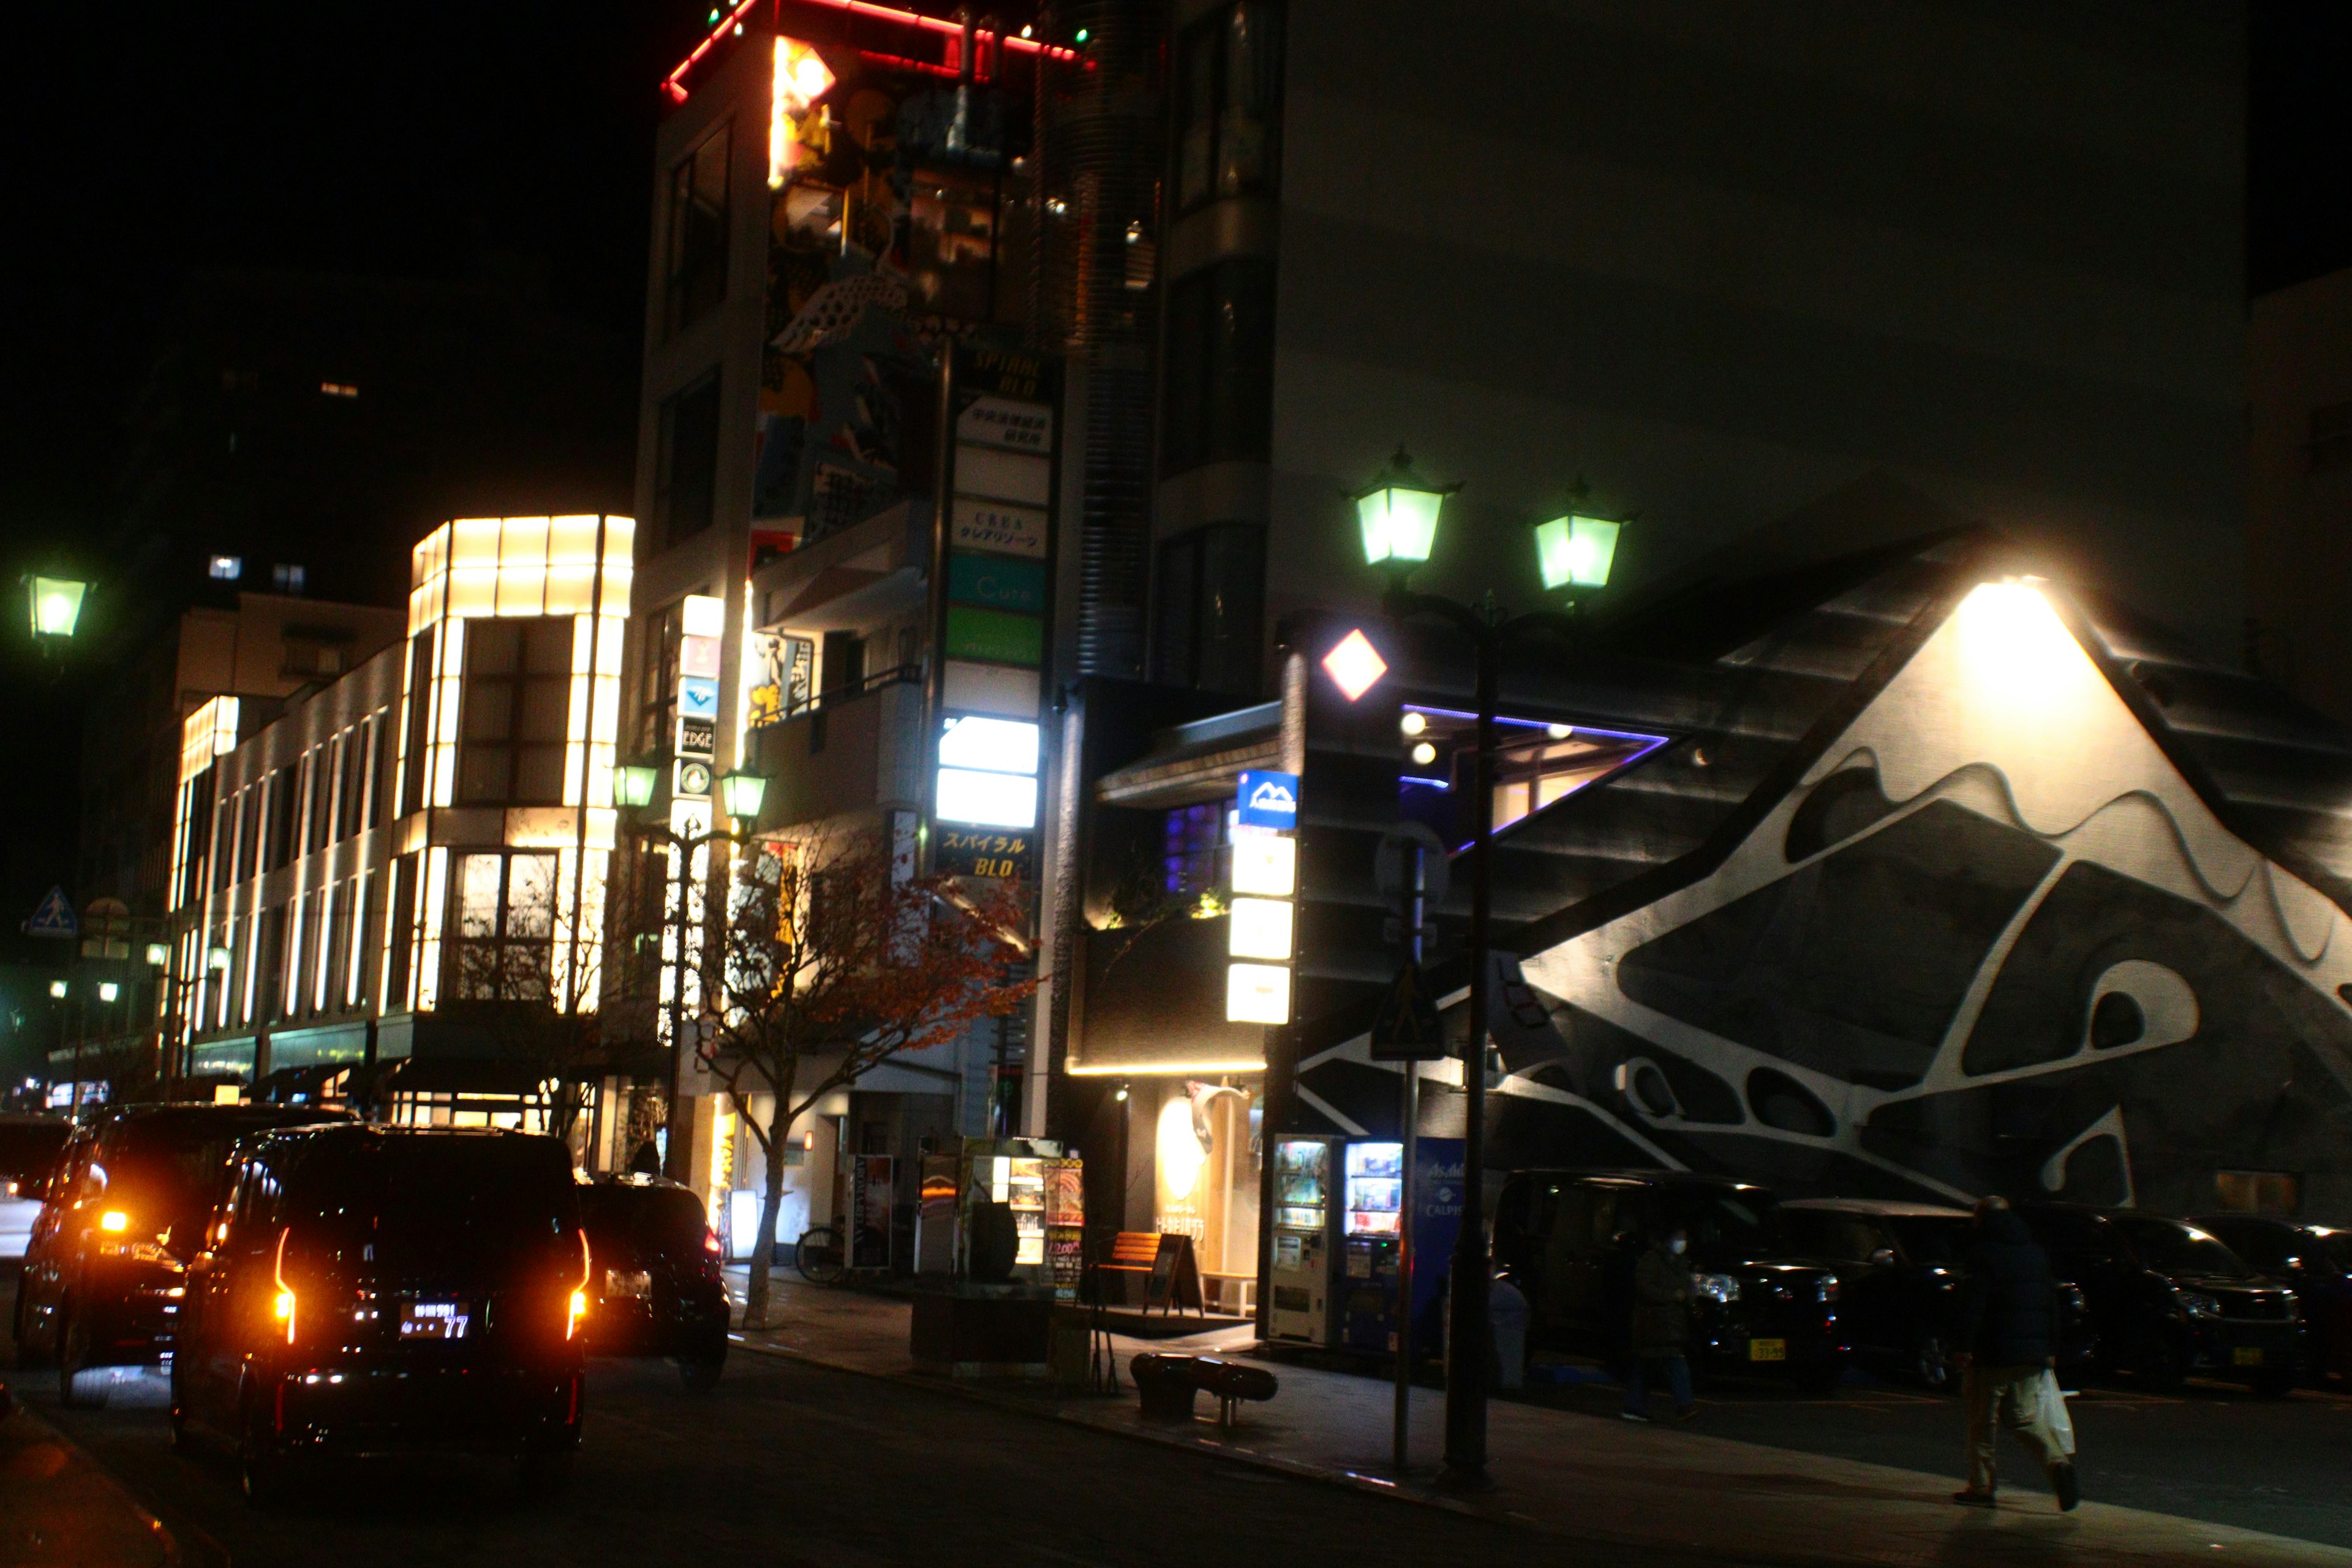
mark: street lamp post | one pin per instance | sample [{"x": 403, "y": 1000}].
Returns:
[
  {"x": 1398, "y": 515},
  {"x": 741, "y": 796}
]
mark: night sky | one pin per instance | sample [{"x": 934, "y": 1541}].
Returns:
[{"x": 419, "y": 141}]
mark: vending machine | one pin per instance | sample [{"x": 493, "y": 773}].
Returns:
[
  {"x": 1373, "y": 1196},
  {"x": 1374, "y": 1205},
  {"x": 1306, "y": 1217}
]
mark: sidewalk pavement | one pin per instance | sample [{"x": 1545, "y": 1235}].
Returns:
[
  {"x": 58, "y": 1509},
  {"x": 1667, "y": 1488}
]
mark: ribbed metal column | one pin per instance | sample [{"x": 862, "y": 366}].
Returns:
[{"x": 1099, "y": 157}]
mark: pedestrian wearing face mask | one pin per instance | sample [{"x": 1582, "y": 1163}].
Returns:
[{"x": 1663, "y": 1288}]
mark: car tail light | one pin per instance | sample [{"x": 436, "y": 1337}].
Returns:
[
  {"x": 577, "y": 1308},
  {"x": 711, "y": 1241},
  {"x": 282, "y": 1304}
]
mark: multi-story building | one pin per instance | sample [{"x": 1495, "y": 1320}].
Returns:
[
  {"x": 1783, "y": 294},
  {"x": 409, "y": 865}
]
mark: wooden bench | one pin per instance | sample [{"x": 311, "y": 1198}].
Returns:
[{"x": 1171, "y": 1276}]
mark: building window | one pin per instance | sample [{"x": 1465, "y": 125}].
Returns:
[
  {"x": 505, "y": 927},
  {"x": 686, "y": 473},
  {"x": 1228, "y": 103},
  {"x": 287, "y": 579},
  {"x": 1210, "y": 608},
  {"x": 1220, "y": 387},
  {"x": 2258, "y": 1192},
  {"x": 516, "y": 711},
  {"x": 696, "y": 269},
  {"x": 422, "y": 653},
  {"x": 659, "y": 672},
  {"x": 1189, "y": 839},
  {"x": 225, "y": 568}
]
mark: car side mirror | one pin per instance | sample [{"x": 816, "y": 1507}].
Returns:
[{"x": 1882, "y": 1258}]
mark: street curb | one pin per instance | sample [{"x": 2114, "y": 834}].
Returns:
[
  {"x": 1344, "y": 1481},
  {"x": 172, "y": 1557}
]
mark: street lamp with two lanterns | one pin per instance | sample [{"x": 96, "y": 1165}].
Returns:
[
  {"x": 1398, "y": 513},
  {"x": 741, "y": 796}
]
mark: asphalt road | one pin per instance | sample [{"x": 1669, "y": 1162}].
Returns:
[
  {"x": 2211, "y": 1452},
  {"x": 783, "y": 1464}
]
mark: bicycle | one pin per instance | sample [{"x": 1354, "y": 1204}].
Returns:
[{"x": 819, "y": 1255}]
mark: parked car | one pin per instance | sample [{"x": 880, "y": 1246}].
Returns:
[
  {"x": 1900, "y": 1271},
  {"x": 29, "y": 1147},
  {"x": 2315, "y": 1261},
  {"x": 2170, "y": 1299},
  {"x": 1569, "y": 1240},
  {"x": 125, "y": 1211},
  {"x": 654, "y": 1285},
  {"x": 366, "y": 1289}
]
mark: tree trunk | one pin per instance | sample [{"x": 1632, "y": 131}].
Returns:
[{"x": 772, "y": 1203}]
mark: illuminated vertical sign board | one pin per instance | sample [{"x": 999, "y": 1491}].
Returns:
[
  {"x": 1260, "y": 920},
  {"x": 992, "y": 609}
]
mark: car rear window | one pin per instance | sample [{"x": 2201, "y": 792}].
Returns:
[
  {"x": 31, "y": 1148},
  {"x": 1933, "y": 1240},
  {"x": 1725, "y": 1226},
  {"x": 664, "y": 1219},
  {"x": 458, "y": 1197},
  {"x": 177, "y": 1158},
  {"x": 1832, "y": 1235},
  {"x": 2171, "y": 1247}
]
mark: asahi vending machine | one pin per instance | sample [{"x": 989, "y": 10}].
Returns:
[{"x": 1306, "y": 1237}]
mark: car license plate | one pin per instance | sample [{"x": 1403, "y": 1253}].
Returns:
[
  {"x": 1768, "y": 1350},
  {"x": 621, "y": 1283},
  {"x": 434, "y": 1320},
  {"x": 2246, "y": 1355}
]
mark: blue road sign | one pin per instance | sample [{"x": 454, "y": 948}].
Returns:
[
  {"x": 1269, "y": 800},
  {"x": 54, "y": 917}
]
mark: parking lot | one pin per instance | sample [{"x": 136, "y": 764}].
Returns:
[{"x": 2211, "y": 1452}]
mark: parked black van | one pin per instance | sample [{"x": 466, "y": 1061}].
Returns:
[
  {"x": 2315, "y": 1262},
  {"x": 121, "y": 1217},
  {"x": 1568, "y": 1239},
  {"x": 2170, "y": 1299},
  {"x": 366, "y": 1289},
  {"x": 655, "y": 1289},
  {"x": 1900, "y": 1269}
]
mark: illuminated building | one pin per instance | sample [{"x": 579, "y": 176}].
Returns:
[
  {"x": 410, "y": 854},
  {"x": 844, "y": 248},
  {"x": 1337, "y": 251}
]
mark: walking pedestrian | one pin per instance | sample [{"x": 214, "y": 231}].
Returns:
[
  {"x": 1663, "y": 1288},
  {"x": 2007, "y": 1333}
]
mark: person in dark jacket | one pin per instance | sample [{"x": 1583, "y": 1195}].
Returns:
[
  {"x": 2008, "y": 1331},
  {"x": 1663, "y": 1288}
]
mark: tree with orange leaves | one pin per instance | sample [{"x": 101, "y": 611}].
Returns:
[{"x": 830, "y": 959}]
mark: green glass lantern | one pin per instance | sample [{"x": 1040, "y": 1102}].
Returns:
[
  {"x": 1574, "y": 552},
  {"x": 1398, "y": 513}
]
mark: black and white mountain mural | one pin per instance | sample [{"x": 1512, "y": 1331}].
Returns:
[{"x": 1980, "y": 932}]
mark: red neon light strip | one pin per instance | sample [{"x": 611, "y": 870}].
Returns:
[
  {"x": 671, "y": 84},
  {"x": 674, "y": 83},
  {"x": 1019, "y": 45}
]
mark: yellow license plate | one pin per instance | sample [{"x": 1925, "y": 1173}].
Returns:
[
  {"x": 1768, "y": 1350},
  {"x": 2246, "y": 1355}
]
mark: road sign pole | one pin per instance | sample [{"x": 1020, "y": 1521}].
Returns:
[{"x": 1409, "y": 1130}]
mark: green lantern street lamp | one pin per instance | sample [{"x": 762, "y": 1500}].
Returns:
[
  {"x": 1575, "y": 552},
  {"x": 742, "y": 794},
  {"x": 56, "y": 606},
  {"x": 217, "y": 960},
  {"x": 1398, "y": 513},
  {"x": 633, "y": 784}
]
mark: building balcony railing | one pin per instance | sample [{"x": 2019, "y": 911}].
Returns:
[{"x": 851, "y": 749}]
